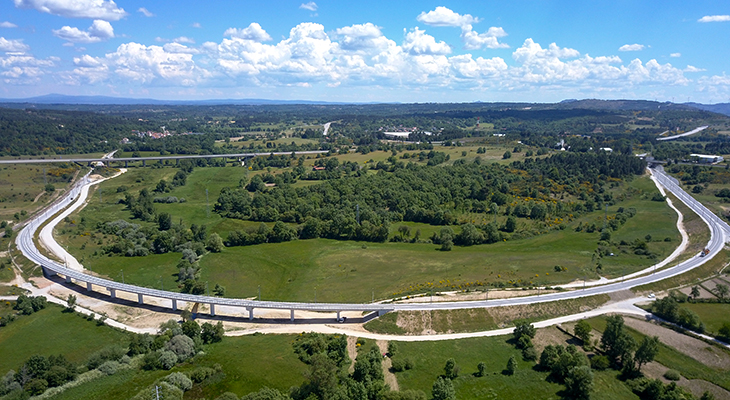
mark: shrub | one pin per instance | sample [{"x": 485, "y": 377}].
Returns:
[
  {"x": 201, "y": 373},
  {"x": 112, "y": 353},
  {"x": 672, "y": 375},
  {"x": 600, "y": 363},
  {"x": 180, "y": 380},
  {"x": 109, "y": 367},
  {"x": 36, "y": 386},
  {"x": 165, "y": 390},
  {"x": 167, "y": 359},
  {"x": 182, "y": 346}
]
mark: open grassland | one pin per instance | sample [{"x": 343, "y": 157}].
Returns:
[
  {"x": 51, "y": 331},
  {"x": 22, "y": 187},
  {"x": 351, "y": 271},
  {"x": 710, "y": 268},
  {"x": 247, "y": 363},
  {"x": 429, "y": 359},
  {"x": 712, "y": 314}
]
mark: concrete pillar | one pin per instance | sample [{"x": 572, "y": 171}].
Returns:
[
  {"x": 144, "y": 163},
  {"x": 382, "y": 312},
  {"x": 68, "y": 279},
  {"x": 112, "y": 293},
  {"x": 250, "y": 313},
  {"x": 212, "y": 310},
  {"x": 126, "y": 164},
  {"x": 292, "y": 315},
  {"x": 88, "y": 286},
  {"x": 139, "y": 298},
  {"x": 177, "y": 161},
  {"x": 338, "y": 316},
  {"x": 174, "y": 305},
  {"x": 47, "y": 272}
]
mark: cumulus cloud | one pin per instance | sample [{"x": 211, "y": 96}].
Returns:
[
  {"x": 252, "y": 32},
  {"x": 361, "y": 36},
  {"x": 183, "y": 39},
  {"x": 311, "y": 6},
  {"x": 714, "y": 18},
  {"x": 97, "y": 9},
  {"x": 489, "y": 39},
  {"x": 23, "y": 69},
  {"x": 13, "y": 45},
  {"x": 443, "y": 16},
  {"x": 99, "y": 30},
  {"x": 675, "y": 55},
  {"x": 631, "y": 47},
  {"x": 196, "y": 25},
  {"x": 6, "y": 24},
  {"x": 145, "y": 12},
  {"x": 418, "y": 42}
]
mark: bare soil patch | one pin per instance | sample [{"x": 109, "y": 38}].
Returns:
[
  {"x": 695, "y": 348},
  {"x": 389, "y": 376},
  {"x": 352, "y": 352},
  {"x": 654, "y": 370},
  {"x": 551, "y": 335}
]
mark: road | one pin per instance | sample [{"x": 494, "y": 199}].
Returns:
[
  {"x": 107, "y": 158},
  {"x": 720, "y": 231},
  {"x": 692, "y": 132}
]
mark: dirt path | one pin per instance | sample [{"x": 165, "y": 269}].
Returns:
[
  {"x": 38, "y": 196},
  {"x": 387, "y": 362},
  {"x": 695, "y": 348},
  {"x": 352, "y": 352}
]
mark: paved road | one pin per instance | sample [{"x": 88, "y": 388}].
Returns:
[
  {"x": 720, "y": 231},
  {"x": 692, "y": 132},
  {"x": 131, "y": 159}
]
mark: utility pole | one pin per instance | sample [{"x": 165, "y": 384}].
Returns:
[{"x": 157, "y": 392}]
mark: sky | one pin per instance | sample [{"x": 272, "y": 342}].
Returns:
[{"x": 368, "y": 51}]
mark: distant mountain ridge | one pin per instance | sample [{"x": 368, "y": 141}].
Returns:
[{"x": 597, "y": 104}]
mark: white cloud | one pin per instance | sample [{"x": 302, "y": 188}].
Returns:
[
  {"x": 23, "y": 69},
  {"x": 183, "y": 39},
  {"x": 631, "y": 47},
  {"x": 99, "y": 30},
  {"x": 13, "y": 45},
  {"x": 361, "y": 36},
  {"x": 488, "y": 39},
  {"x": 196, "y": 25},
  {"x": 443, "y": 16},
  {"x": 692, "y": 68},
  {"x": 253, "y": 31},
  {"x": 96, "y": 9},
  {"x": 675, "y": 55},
  {"x": 311, "y": 6},
  {"x": 145, "y": 12},
  {"x": 417, "y": 42},
  {"x": 714, "y": 18},
  {"x": 6, "y": 24}
]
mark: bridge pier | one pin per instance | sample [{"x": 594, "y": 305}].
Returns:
[
  {"x": 212, "y": 310},
  {"x": 338, "y": 316},
  {"x": 250, "y": 313},
  {"x": 292, "y": 315},
  {"x": 48, "y": 273},
  {"x": 112, "y": 293},
  {"x": 177, "y": 161},
  {"x": 126, "y": 164},
  {"x": 144, "y": 163},
  {"x": 382, "y": 312},
  {"x": 174, "y": 305},
  {"x": 139, "y": 298},
  {"x": 88, "y": 286},
  {"x": 68, "y": 279}
]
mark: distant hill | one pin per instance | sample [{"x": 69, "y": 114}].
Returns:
[{"x": 720, "y": 108}]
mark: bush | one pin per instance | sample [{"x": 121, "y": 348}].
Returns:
[
  {"x": 398, "y": 365},
  {"x": 166, "y": 391},
  {"x": 227, "y": 396},
  {"x": 180, "y": 380},
  {"x": 36, "y": 386},
  {"x": 529, "y": 354},
  {"x": 109, "y": 367},
  {"x": 672, "y": 375},
  {"x": 167, "y": 359},
  {"x": 600, "y": 363},
  {"x": 182, "y": 346},
  {"x": 201, "y": 373},
  {"x": 112, "y": 353},
  {"x": 151, "y": 361}
]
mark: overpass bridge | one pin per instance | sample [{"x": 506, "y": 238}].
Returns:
[{"x": 720, "y": 232}]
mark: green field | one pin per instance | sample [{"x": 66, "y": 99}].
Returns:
[
  {"x": 50, "y": 332},
  {"x": 429, "y": 359},
  {"x": 712, "y": 314},
  {"x": 248, "y": 363},
  {"x": 352, "y": 271},
  {"x": 22, "y": 188}
]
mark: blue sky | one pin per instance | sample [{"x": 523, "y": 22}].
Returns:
[{"x": 382, "y": 51}]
